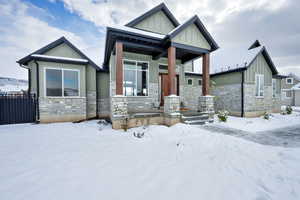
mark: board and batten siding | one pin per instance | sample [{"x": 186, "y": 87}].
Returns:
[
  {"x": 193, "y": 37},
  {"x": 259, "y": 66},
  {"x": 158, "y": 23}
]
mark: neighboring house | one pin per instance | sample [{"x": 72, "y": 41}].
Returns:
[
  {"x": 290, "y": 91},
  {"x": 140, "y": 60},
  {"x": 249, "y": 88}
]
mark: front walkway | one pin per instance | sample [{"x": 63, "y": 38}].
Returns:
[{"x": 285, "y": 137}]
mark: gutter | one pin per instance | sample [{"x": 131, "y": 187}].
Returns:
[
  {"x": 242, "y": 94},
  {"x": 37, "y": 90}
]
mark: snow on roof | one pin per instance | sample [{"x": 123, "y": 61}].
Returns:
[
  {"x": 296, "y": 87},
  {"x": 245, "y": 59},
  {"x": 59, "y": 58},
  {"x": 138, "y": 31}
]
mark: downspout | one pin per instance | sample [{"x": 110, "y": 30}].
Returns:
[
  {"x": 97, "y": 116},
  {"x": 242, "y": 94},
  {"x": 37, "y": 90}
]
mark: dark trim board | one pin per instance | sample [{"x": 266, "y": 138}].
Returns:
[
  {"x": 190, "y": 49},
  {"x": 161, "y": 7},
  {"x": 26, "y": 59},
  {"x": 195, "y": 19}
]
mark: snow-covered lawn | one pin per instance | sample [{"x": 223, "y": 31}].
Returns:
[
  {"x": 260, "y": 124},
  {"x": 79, "y": 161}
]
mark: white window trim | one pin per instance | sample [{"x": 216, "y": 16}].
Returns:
[
  {"x": 62, "y": 69},
  {"x": 136, "y": 61},
  {"x": 259, "y": 89},
  {"x": 191, "y": 80},
  {"x": 292, "y": 82},
  {"x": 286, "y": 90}
]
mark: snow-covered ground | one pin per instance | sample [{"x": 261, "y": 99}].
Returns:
[
  {"x": 83, "y": 161},
  {"x": 260, "y": 124}
]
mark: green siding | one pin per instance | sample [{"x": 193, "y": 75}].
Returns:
[
  {"x": 33, "y": 82},
  {"x": 63, "y": 50},
  {"x": 102, "y": 85},
  {"x": 259, "y": 66},
  {"x": 158, "y": 23},
  {"x": 195, "y": 79},
  {"x": 226, "y": 79},
  {"x": 90, "y": 78},
  {"x": 193, "y": 37}
]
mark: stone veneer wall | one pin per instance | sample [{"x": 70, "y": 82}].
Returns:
[
  {"x": 190, "y": 96},
  {"x": 228, "y": 97},
  {"x": 254, "y": 106},
  {"x": 62, "y": 109}
]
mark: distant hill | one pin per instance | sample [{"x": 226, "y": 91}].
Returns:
[{"x": 12, "y": 85}]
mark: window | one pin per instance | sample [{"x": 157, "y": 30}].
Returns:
[
  {"x": 135, "y": 78},
  {"x": 190, "y": 81},
  {"x": 288, "y": 94},
  {"x": 199, "y": 82},
  {"x": 289, "y": 81},
  {"x": 61, "y": 82},
  {"x": 274, "y": 88},
  {"x": 259, "y": 85}
]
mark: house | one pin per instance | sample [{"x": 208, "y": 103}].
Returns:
[
  {"x": 248, "y": 88},
  {"x": 290, "y": 90},
  {"x": 143, "y": 79}
]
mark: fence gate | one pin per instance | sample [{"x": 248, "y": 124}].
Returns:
[{"x": 17, "y": 108}]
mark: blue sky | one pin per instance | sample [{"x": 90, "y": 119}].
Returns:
[{"x": 30, "y": 24}]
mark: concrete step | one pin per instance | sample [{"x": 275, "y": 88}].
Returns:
[
  {"x": 196, "y": 122},
  {"x": 195, "y": 117}
]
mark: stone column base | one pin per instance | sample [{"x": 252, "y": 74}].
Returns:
[
  {"x": 119, "y": 112},
  {"x": 171, "y": 110},
  {"x": 206, "y": 104}
]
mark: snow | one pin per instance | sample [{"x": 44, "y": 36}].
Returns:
[
  {"x": 296, "y": 87},
  {"x": 59, "y": 58},
  {"x": 13, "y": 88},
  {"x": 138, "y": 31},
  {"x": 260, "y": 124},
  {"x": 84, "y": 161}
]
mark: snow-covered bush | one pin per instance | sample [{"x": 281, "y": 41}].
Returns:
[
  {"x": 223, "y": 115},
  {"x": 289, "y": 110},
  {"x": 267, "y": 115}
]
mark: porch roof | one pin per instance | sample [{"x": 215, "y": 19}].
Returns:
[{"x": 148, "y": 43}]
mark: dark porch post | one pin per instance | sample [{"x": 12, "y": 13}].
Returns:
[
  {"x": 205, "y": 74},
  {"x": 172, "y": 70},
  {"x": 119, "y": 68}
]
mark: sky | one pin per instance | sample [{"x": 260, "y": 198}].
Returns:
[{"x": 27, "y": 25}]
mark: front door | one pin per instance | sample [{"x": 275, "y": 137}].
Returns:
[{"x": 164, "y": 86}]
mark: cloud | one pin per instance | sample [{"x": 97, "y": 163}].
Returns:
[{"x": 22, "y": 34}]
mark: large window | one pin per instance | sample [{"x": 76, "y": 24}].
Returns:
[
  {"x": 289, "y": 81},
  {"x": 259, "y": 85},
  {"x": 62, "y": 82},
  {"x": 135, "y": 78}
]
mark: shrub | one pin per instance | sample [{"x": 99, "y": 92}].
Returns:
[
  {"x": 289, "y": 110},
  {"x": 223, "y": 115},
  {"x": 267, "y": 115}
]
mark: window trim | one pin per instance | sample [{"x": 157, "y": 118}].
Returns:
[
  {"x": 62, "y": 74},
  {"x": 292, "y": 81},
  {"x": 259, "y": 89},
  {"x": 148, "y": 70},
  {"x": 285, "y": 92},
  {"x": 274, "y": 95},
  {"x": 191, "y": 80}
]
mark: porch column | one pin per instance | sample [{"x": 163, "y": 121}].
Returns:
[
  {"x": 205, "y": 74},
  {"x": 119, "y": 68},
  {"x": 172, "y": 70}
]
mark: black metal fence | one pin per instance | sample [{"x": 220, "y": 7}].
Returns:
[{"x": 17, "y": 108}]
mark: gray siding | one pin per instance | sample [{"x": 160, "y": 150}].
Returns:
[
  {"x": 158, "y": 23},
  {"x": 103, "y": 94},
  {"x": 193, "y": 37},
  {"x": 63, "y": 50},
  {"x": 259, "y": 66}
]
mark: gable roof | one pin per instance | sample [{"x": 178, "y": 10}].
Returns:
[
  {"x": 194, "y": 20},
  {"x": 52, "y": 45},
  {"x": 248, "y": 58},
  {"x": 254, "y": 45},
  {"x": 161, "y": 7}
]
